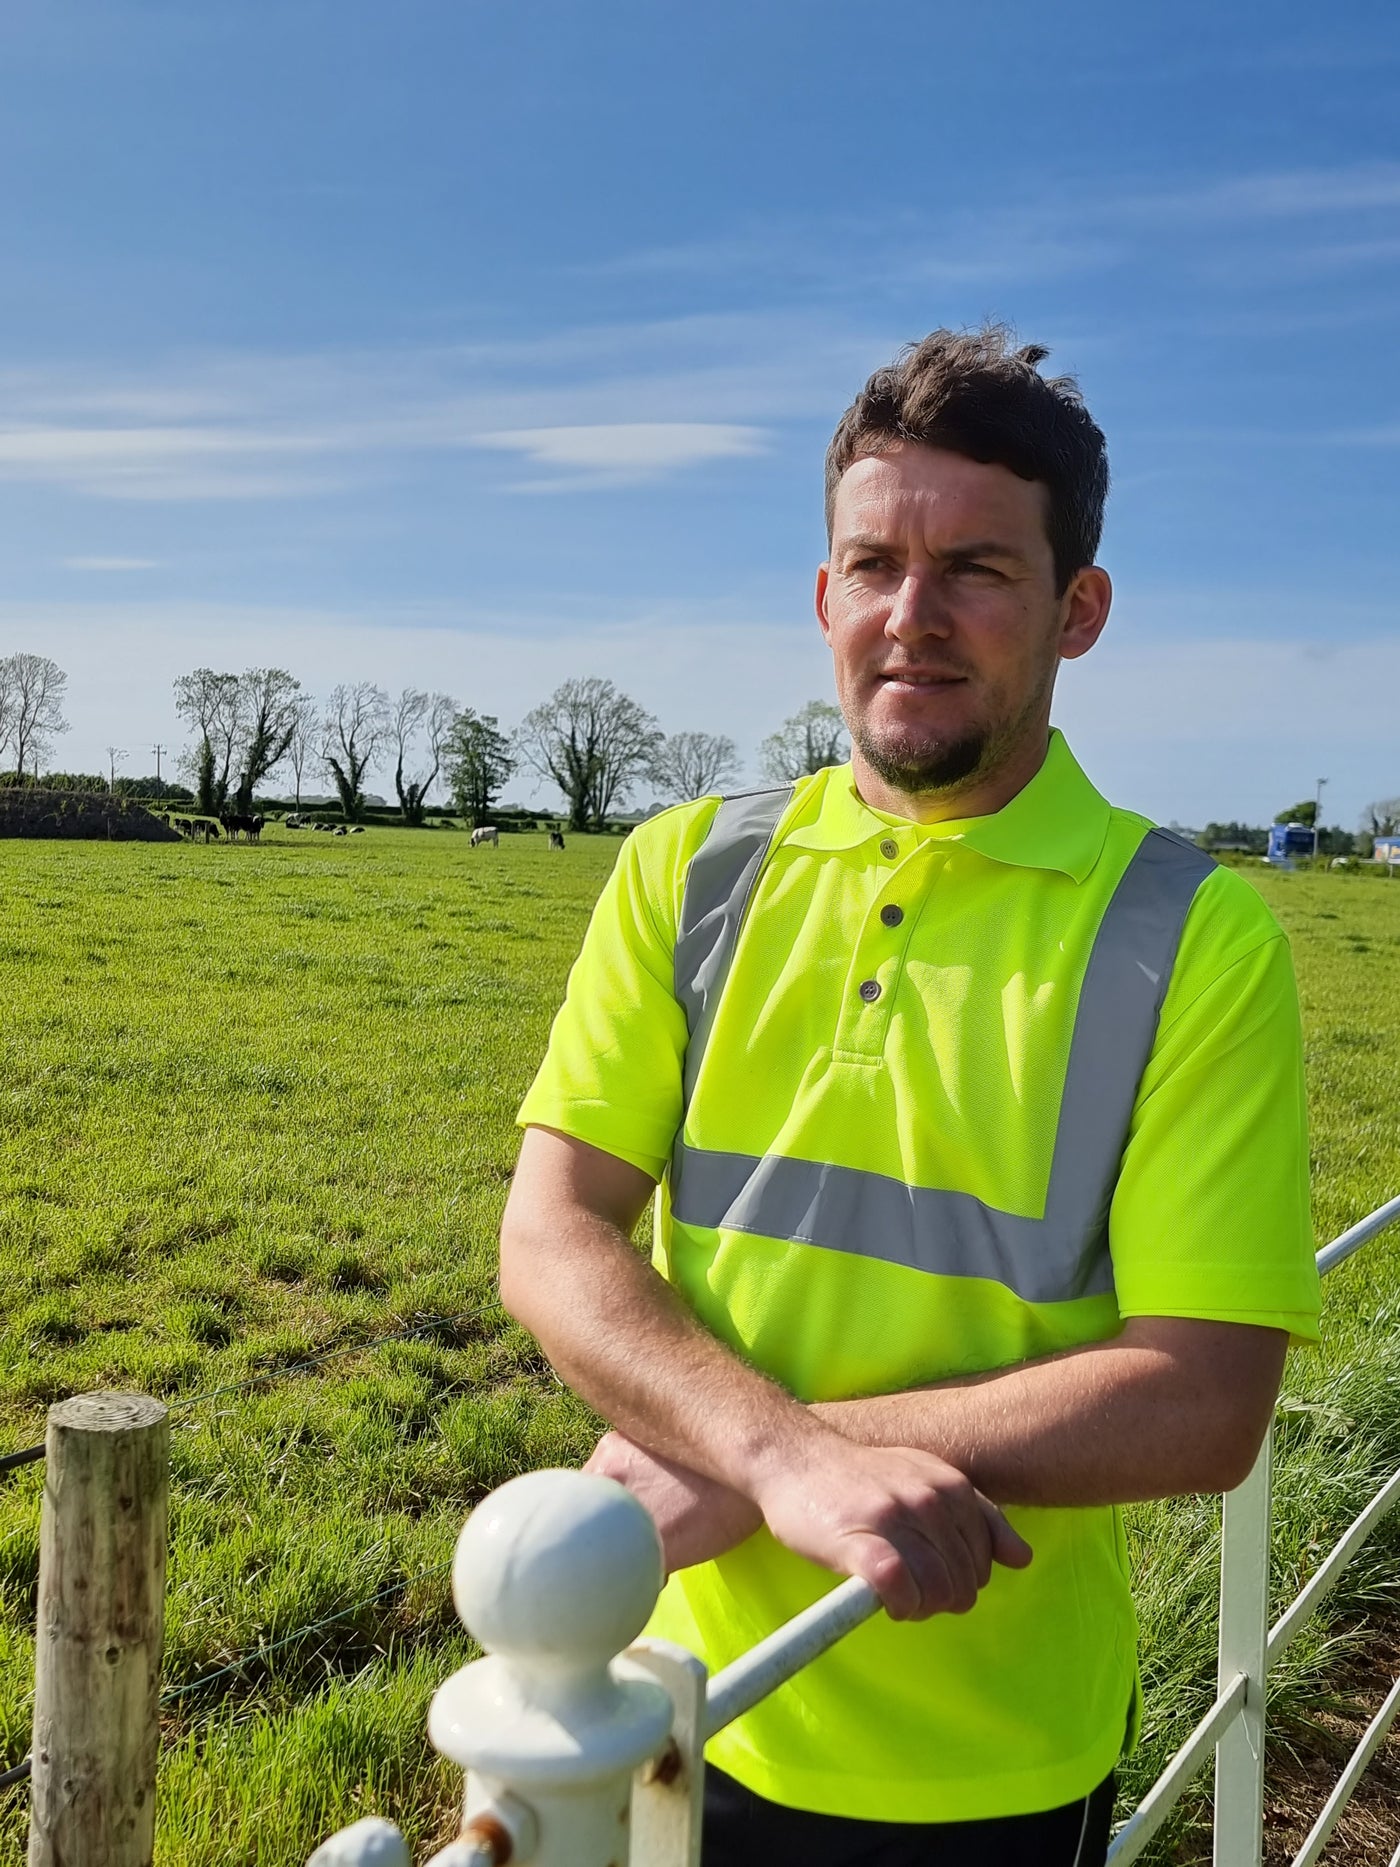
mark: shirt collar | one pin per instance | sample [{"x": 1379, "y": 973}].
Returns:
[{"x": 1057, "y": 821}]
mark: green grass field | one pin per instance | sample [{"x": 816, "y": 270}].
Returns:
[{"x": 256, "y": 1106}]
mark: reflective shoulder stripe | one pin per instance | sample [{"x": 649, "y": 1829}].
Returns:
[
  {"x": 718, "y": 885},
  {"x": 1059, "y": 1257},
  {"x": 1120, "y": 1002}
]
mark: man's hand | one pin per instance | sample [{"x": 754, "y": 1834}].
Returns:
[
  {"x": 912, "y": 1526},
  {"x": 697, "y": 1517}
]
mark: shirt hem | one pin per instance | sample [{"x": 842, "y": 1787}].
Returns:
[{"x": 876, "y": 1798}]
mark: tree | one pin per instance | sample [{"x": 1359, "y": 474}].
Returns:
[
  {"x": 305, "y": 741},
  {"x": 693, "y": 764},
  {"x": 1249, "y": 837},
  {"x": 7, "y": 705},
  {"x": 209, "y": 704},
  {"x": 477, "y": 762},
  {"x": 354, "y": 728},
  {"x": 1304, "y": 813},
  {"x": 434, "y": 714},
  {"x": 267, "y": 715},
  {"x": 810, "y": 740},
  {"x": 1381, "y": 818},
  {"x": 593, "y": 742},
  {"x": 31, "y": 707}
]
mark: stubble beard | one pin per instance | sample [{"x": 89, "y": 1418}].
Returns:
[
  {"x": 924, "y": 766},
  {"x": 921, "y": 769}
]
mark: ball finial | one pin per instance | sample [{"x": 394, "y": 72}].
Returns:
[{"x": 557, "y": 1569}]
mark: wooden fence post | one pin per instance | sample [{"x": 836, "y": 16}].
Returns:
[{"x": 97, "y": 1664}]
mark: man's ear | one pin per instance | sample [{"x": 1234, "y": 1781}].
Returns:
[
  {"x": 823, "y": 579},
  {"x": 1084, "y": 611}
]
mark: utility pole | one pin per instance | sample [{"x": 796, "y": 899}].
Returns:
[
  {"x": 113, "y": 754},
  {"x": 160, "y": 789},
  {"x": 1317, "y": 817}
]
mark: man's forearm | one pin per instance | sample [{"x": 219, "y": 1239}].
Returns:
[
  {"x": 903, "y": 1519},
  {"x": 1166, "y": 1407},
  {"x": 619, "y": 1335}
]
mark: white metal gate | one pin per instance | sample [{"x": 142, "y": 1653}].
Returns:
[{"x": 584, "y": 1751}]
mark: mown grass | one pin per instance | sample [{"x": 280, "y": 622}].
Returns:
[{"x": 256, "y": 1106}]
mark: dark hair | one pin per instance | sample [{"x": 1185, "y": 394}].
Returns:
[{"x": 973, "y": 393}]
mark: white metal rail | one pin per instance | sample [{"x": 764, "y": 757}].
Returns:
[{"x": 580, "y": 1749}]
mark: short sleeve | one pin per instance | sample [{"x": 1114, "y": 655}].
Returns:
[
  {"x": 612, "y": 1073},
  {"x": 1211, "y": 1214}
]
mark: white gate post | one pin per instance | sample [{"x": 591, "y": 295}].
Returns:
[
  {"x": 555, "y": 1573},
  {"x": 1244, "y": 1634}
]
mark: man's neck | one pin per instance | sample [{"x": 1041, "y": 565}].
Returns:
[{"x": 981, "y": 796}]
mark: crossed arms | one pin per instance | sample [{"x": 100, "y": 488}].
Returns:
[{"x": 902, "y": 1489}]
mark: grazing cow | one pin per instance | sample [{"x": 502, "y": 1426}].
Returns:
[
  {"x": 556, "y": 839},
  {"x": 340, "y": 830},
  {"x": 235, "y": 825},
  {"x": 488, "y": 833},
  {"x": 357, "y": 829}
]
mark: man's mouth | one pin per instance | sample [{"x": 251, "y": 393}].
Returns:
[{"x": 919, "y": 677}]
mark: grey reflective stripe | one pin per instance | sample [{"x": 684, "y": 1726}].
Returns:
[
  {"x": 1052, "y": 1259},
  {"x": 1115, "y": 1027},
  {"x": 717, "y": 888},
  {"x": 870, "y": 1215}
]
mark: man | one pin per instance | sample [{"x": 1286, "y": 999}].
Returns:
[{"x": 976, "y": 1110}]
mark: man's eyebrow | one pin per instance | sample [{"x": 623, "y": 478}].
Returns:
[
  {"x": 976, "y": 548},
  {"x": 984, "y": 548}
]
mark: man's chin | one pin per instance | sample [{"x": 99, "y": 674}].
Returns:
[{"x": 919, "y": 769}]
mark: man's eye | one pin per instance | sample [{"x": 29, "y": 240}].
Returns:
[
  {"x": 869, "y": 564},
  {"x": 969, "y": 567}
]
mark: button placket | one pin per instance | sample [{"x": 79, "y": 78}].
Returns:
[{"x": 877, "y": 964}]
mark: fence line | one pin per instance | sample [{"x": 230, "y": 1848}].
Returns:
[{"x": 659, "y": 1708}]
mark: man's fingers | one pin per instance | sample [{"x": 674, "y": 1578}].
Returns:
[
  {"x": 1009, "y": 1547},
  {"x": 905, "y": 1595}
]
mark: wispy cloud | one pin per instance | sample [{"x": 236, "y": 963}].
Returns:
[
  {"x": 111, "y": 564},
  {"x": 626, "y": 451},
  {"x": 613, "y": 404}
]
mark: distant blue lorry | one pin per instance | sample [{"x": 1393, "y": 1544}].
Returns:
[{"x": 1290, "y": 840}]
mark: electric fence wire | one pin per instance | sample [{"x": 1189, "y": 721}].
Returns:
[{"x": 22, "y": 1771}]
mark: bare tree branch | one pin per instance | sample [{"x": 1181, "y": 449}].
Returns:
[
  {"x": 694, "y": 764},
  {"x": 31, "y": 707},
  {"x": 809, "y": 741},
  {"x": 355, "y": 726},
  {"x": 591, "y": 741}
]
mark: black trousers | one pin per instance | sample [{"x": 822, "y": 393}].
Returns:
[{"x": 745, "y": 1830}]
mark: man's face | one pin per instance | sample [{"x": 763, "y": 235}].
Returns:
[{"x": 940, "y": 609}]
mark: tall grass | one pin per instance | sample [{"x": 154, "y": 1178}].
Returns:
[{"x": 256, "y": 1105}]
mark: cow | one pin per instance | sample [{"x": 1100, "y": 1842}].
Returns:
[
  {"x": 236, "y": 825},
  {"x": 488, "y": 833},
  {"x": 556, "y": 839}
]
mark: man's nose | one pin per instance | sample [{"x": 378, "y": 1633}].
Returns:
[{"x": 919, "y": 607}]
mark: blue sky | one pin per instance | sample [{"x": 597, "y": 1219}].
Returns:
[{"x": 476, "y": 345}]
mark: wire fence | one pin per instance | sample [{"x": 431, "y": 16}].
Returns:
[{"x": 30, "y": 1455}]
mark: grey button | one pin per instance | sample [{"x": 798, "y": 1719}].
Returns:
[
  {"x": 870, "y": 990},
  {"x": 889, "y": 848},
  {"x": 891, "y": 915}
]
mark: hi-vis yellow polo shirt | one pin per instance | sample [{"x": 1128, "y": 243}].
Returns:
[{"x": 876, "y": 1140}]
